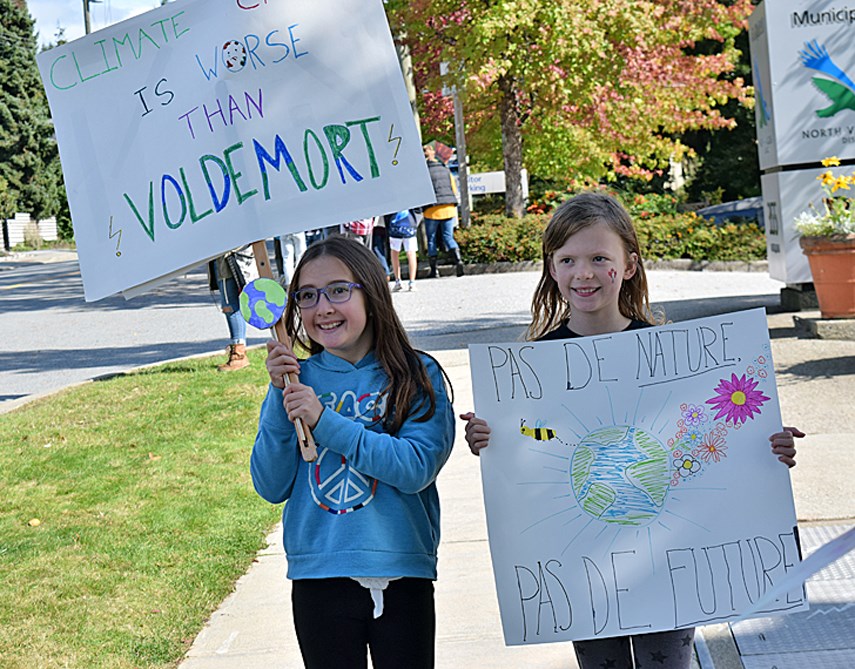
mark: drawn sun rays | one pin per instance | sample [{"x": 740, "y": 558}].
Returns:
[
  {"x": 597, "y": 477},
  {"x": 581, "y": 475}
]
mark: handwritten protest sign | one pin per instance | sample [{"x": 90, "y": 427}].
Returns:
[
  {"x": 629, "y": 483},
  {"x": 204, "y": 125}
]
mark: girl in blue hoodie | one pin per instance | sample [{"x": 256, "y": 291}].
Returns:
[{"x": 361, "y": 523}]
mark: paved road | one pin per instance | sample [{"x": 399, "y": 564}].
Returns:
[{"x": 53, "y": 339}]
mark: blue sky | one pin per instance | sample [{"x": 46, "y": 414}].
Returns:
[{"x": 69, "y": 15}]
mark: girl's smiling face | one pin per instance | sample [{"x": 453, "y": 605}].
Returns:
[
  {"x": 589, "y": 269},
  {"x": 343, "y": 329}
]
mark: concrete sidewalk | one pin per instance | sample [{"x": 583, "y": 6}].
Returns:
[
  {"x": 14, "y": 259},
  {"x": 253, "y": 627}
]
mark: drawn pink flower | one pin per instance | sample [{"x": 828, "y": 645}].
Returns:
[
  {"x": 737, "y": 399},
  {"x": 712, "y": 448}
]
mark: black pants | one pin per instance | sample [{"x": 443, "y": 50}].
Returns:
[
  {"x": 335, "y": 624},
  {"x": 662, "y": 650}
]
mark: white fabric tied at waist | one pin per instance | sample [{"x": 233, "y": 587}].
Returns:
[{"x": 376, "y": 586}]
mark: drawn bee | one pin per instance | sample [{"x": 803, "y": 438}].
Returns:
[{"x": 538, "y": 432}]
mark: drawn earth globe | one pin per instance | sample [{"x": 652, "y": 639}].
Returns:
[
  {"x": 262, "y": 302},
  {"x": 620, "y": 474}
]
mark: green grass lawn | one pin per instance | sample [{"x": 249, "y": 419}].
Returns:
[{"x": 147, "y": 515}]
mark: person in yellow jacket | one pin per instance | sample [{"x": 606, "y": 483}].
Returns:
[{"x": 440, "y": 217}]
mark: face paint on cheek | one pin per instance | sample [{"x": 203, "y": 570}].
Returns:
[{"x": 613, "y": 274}]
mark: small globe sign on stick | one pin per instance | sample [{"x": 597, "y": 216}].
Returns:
[{"x": 262, "y": 303}]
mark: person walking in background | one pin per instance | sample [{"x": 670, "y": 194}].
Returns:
[
  {"x": 360, "y": 230},
  {"x": 361, "y": 523},
  {"x": 380, "y": 243},
  {"x": 289, "y": 249},
  {"x": 228, "y": 274},
  {"x": 593, "y": 283},
  {"x": 402, "y": 235},
  {"x": 440, "y": 217},
  {"x": 319, "y": 234}
]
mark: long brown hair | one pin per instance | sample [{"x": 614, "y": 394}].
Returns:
[
  {"x": 407, "y": 376},
  {"x": 548, "y": 307}
]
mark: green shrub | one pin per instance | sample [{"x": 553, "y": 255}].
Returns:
[
  {"x": 32, "y": 238},
  {"x": 662, "y": 234},
  {"x": 690, "y": 236},
  {"x": 41, "y": 244},
  {"x": 740, "y": 242},
  {"x": 64, "y": 229},
  {"x": 494, "y": 238},
  {"x": 651, "y": 204}
]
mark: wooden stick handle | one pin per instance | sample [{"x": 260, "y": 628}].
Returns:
[{"x": 308, "y": 448}]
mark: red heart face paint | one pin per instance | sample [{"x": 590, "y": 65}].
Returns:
[{"x": 613, "y": 274}]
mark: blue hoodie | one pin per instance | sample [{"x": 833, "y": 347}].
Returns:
[{"x": 368, "y": 506}]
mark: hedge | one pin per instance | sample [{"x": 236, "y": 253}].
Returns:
[{"x": 494, "y": 238}]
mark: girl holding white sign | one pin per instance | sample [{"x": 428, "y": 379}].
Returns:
[
  {"x": 594, "y": 283},
  {"x": 361, "y": 523}
]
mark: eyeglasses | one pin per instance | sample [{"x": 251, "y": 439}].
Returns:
[{"x": 337, "y": 293}]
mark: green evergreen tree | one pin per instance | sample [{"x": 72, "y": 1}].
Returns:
[
  {"x": 726, "y": 166},
  {"x": 29, "y": 159},
  {"x": 7, "y": 210}
]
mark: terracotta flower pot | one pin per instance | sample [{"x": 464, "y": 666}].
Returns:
[{"x": 832, "y": 264}]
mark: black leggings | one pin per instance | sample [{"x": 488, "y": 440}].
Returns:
[
  {"x": 335, "y": 624},
  {"x": 663, "y": 650}
]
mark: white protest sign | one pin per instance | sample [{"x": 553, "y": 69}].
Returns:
[
  {"x": 629, "y": 483},
  {"x": 204, "y": 125}
]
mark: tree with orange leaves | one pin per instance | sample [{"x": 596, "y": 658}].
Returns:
[{"x": 576, "y": 88}]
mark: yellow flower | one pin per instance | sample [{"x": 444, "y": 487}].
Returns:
[
  {"x": 836, "y": 213},
  {"x": 841, "y": 182},
  {"x": 826, "y": 178}
]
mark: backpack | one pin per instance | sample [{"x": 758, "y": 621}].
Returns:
[
  {"x": 241, "y": 263},
  {"x": 402, "y": 225}
]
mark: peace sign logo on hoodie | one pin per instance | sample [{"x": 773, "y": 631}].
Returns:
[{"x": 337, "y": 487}]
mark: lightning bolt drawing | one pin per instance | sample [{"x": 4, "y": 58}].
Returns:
[
  {"x": 397, "y": 146},
  {"x": 118, "y": 234}
]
